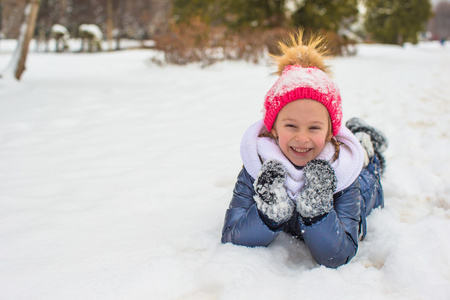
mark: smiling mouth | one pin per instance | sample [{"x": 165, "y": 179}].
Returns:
[{"x": 298, "y": 150}]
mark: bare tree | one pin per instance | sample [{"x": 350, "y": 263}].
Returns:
[
  {"x": 440, "y": 24},
  {"x": 12, "y": 17},
  {"x": 17, "y": 64},
  {"x": 109, "y": 23}
]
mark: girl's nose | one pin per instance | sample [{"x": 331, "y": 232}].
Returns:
[{"x": 301, "y": 137}]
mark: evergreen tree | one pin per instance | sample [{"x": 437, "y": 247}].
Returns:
[
  {"x": 270, "y": 13},
  {"x": 232, "y": 13},
  {"x": 396, "y": 21},
  {"x": 184, "y": 10},
  {"x": 325, "y": 14}
]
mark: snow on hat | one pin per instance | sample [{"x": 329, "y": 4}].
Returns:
[{"x": 303, "y": 75}]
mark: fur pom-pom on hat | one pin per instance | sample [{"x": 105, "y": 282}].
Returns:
[{"x": 303, "y": 75}]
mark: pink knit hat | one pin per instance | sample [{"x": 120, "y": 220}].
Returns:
[{"x": 303, "y": 79}]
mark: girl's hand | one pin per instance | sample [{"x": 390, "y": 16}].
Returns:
[
  {"x": 316, "y": 198},
  {"x": 270, "y": 181},
  {"x": 271, "y": 197}
]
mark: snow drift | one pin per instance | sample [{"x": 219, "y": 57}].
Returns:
[{"x": 115, "y": 175}]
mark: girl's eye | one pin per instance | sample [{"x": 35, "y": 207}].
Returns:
[
  {"x": 290, "y": 125},
  {"x": 315, "y": 128}
]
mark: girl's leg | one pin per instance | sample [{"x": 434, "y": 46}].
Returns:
[
  {"x": 374, "y": 143},
  {"x": 372, "y": 140}
]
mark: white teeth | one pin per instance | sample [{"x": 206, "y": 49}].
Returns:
[{"x": 300, "y": 150}]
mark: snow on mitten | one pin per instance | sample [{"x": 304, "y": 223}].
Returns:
[
  {"x": 316, "y": 198},
  {"x": 271, "y": 197}
]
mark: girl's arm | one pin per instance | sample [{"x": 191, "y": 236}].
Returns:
[
  {"x": 243, "y": 224},
  {"x": 333, "y": 240}
]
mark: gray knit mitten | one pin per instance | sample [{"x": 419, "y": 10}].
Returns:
[
  {"x": 316, "y": 198},
  {"x": 271, "y": 197}
]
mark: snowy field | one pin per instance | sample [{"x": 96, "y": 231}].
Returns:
[{"x": 115, "y": 175}]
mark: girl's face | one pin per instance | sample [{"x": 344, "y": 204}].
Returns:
[{"x": 302, "y": 127}]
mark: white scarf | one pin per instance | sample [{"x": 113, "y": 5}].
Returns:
[{"x": 347, "y": 167}]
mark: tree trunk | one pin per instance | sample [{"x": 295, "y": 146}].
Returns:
[
  {"x": 26, "y": 33},
  {"x": 399, "y": 39},
  {"x": 109, "y": 23},
  {"x": 1, "y": 20},
  {"x": 120, "y": 11}
]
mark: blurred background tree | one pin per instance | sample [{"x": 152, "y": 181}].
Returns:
[
  {"x": 237, "y": 27},
  {"x": 325, "y": 14},
  {"x": 396, "y": 21},
  {"x": 233, "y": 13},
  {"x": 255, "y": 13},
  {"x": 439, "y": 25}
]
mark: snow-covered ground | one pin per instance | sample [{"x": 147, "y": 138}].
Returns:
[
  {"x": 115, "y": 175},
  {"x": 8, "y": 46}
]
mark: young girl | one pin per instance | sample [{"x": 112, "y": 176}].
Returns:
[{"x": 303, "y": 172}]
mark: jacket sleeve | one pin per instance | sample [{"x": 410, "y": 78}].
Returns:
[
  {"x": 243, "y": 224},
  {"x": 333, "y": 240}
]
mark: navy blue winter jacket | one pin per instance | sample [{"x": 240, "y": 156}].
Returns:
[{"x": 332, "y": 241}]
